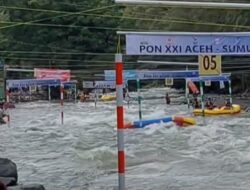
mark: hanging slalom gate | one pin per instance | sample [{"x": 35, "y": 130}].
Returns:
[
  {"x": 101, "y": 85},
  {"x": 26, "y": 83},
  {"x": 227, "y": 109},
  {"x": 139, "y": 75}
]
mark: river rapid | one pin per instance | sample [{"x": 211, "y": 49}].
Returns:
[{"x": 82, "y": 153}]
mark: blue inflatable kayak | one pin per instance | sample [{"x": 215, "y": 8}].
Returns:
[{"x": 143, "y": 123}]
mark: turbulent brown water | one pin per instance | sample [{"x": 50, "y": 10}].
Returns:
[{"x": 82, "y": 154}]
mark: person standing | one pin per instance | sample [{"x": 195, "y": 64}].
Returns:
[{"x": 167, "y": 98}]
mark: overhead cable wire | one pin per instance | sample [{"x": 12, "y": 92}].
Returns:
[
  {"x": 174, "y": 20},
  {"x": 58, "y": 53},
  {"x": 171, "y": 20},
  {"x": 59, "y": 16},
  {"x": 69, "y": 26}
]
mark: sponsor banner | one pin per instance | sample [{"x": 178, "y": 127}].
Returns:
[
  {"x": 63, "y": 75},
  {"x": 211, "y": 78},
  {"x": 188, "y": 44},
  {"x": 88, "y": 84},
  {"x": 208, "y": 83},
  {"x": 31, "y": 82},
  {"x": 169, "y": 81},
  {"x": 105, "y": 84},
  {"x": 127, "y": 75},
  {"x": 167, "y": 74},
  {"x": 101, "y": 84},
  {"x": 146, "y": 74}
]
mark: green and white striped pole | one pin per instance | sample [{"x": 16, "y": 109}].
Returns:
[
  {"x": 94, "y": 83},
  {"x": 202, "y": 101},
  {"x": 139, "y": 97},
  {"x": 30, "y": 93}
]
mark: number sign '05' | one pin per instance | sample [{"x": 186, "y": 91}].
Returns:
[{"x": 209, "y": 65}]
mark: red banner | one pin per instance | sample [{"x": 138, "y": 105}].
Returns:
[{"x": 63, "y": 75}]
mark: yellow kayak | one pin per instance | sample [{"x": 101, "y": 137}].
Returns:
[
  {"x": 219, "y": 111},
  {"x": 106, "y": 98}
]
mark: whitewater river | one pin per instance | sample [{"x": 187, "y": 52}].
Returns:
[{"x": 82, "y": 153}]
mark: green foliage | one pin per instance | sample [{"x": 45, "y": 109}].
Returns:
[{"x": 80, "y": 26}]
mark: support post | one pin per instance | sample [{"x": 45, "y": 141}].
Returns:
[
  {"x": 8, "y": 104},
  {"x": 139, "y": 97},
  {"x": 4, "y": 81},
  {"x": 187, "y": 4},
  {"x": 202, "y": 101},
  {"x": 120, "y": 120}
]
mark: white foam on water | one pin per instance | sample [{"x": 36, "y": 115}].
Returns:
[{"x": 82, "y": 153}]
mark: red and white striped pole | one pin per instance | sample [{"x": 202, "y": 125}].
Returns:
[
  {"x": 61, "y": 92},
  {"x": 120, "y": 120},
  {"x": 8, "y": 104}
]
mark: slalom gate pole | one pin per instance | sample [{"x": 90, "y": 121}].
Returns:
[
  {"x": 139, "y": 97},
  {"x": 187, "y": 94},
  {"x": 75, "y": 93},
  {"x": 127, "y": 94},
  {"x": 120, "y": 120},
  {"x": 95, "y": 98},
  {"x": 128, "y": 100},
  {"x": 8, "y": 104},
  {"x": 30, "y": 92},
  {"x": 61, "y": 92},
  {"x": 20, "y": 91},
  {"x": 94, "y": 83}
]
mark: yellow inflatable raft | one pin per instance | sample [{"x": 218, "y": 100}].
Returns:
[
  {"x": 106, "y": 98},
  {"x": 219, "y": 111}
]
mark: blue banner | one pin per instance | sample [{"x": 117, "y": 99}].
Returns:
[
  {"x": 210, "y": 78},
  {"x": 127, "y": 75},
  {"x": 104, "y": 84},
  {"x": 31, "y": 82},
  {"x": 167, "y": 74},
  {"x": 188, "y": 44}
]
